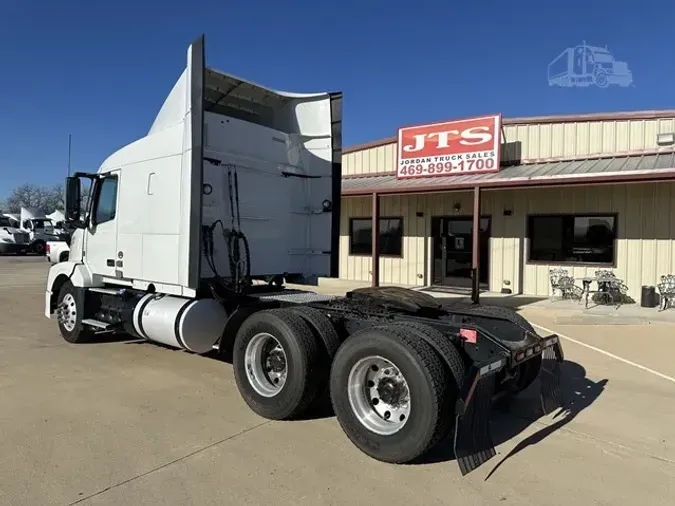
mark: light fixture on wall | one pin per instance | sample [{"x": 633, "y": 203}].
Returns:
[
  {"x": 665, "y": 139},
  {"x": 457, "y": 207}
]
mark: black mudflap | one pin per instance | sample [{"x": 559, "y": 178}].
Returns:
[
  {"x": 551, "y": 394},
  {"x": 473, "y": 442}
]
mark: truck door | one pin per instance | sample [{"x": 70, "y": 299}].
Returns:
[{"x": 100, "y": 252}]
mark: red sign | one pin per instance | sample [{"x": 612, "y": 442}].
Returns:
[{"x": 452, "y": 148}]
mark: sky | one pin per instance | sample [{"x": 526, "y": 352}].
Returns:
[{"x": 100, "y": 71}]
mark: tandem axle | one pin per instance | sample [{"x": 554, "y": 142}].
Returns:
[{"x": 402, "y": 372}]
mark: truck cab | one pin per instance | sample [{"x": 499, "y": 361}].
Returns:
[
  {"x": 39, "y": 228},
  {"x": 12, "y": 240},
  {"x": 222, "y": 155}
]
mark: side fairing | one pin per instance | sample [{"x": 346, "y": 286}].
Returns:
[{"x": 175, "y": 183}]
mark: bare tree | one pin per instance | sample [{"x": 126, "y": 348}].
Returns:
[
  {"x": 46, "y": 199},
  {"x": 26, "y": 195},
  {"x": 54, "y": 198}
]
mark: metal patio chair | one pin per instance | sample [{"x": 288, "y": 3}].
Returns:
[
  {"x": 563, "y": 285},
  {"x": 667, "y": 291}
]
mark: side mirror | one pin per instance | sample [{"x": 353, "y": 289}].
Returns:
[{"x": 73, "y": 198}]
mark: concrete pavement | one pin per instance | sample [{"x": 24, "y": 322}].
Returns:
[{"x": 127, "y": 423}]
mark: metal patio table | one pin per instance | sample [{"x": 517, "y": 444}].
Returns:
[{"x": 604, "y": 285}]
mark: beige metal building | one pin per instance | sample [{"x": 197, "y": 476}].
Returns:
[{"x": 581, "y": 193}]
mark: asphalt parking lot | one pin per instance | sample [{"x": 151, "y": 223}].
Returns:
[{"x": 128, "y": 423}]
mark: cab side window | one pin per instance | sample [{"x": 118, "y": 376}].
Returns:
[{"x": 106, "y": 203}]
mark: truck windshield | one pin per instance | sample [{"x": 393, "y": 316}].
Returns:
[
  {"x": 4, "y": 222},
  {"x": 603, "y": 57},
  {"x": 42, "y": 223}
]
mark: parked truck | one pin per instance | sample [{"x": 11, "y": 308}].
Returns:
[
  {"x": 61, "y": 227},
  {"x": 12, "y": 240},
  {"x": 56, "y": 251},
  {"x": 193, "y": 232},
  {"x": 39, "y": 228}
]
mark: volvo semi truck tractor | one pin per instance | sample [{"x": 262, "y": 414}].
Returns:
[
  {"x": 12, "y": 240},
  {"x": 39, "y": 228},
  {"x": 193, "y": 232}
]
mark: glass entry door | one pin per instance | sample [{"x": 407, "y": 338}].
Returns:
[{"x": 452, "y": 249}]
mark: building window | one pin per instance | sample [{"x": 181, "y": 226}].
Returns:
[
  {"x": 585, "y": 239},
  {"x": 361, "y": 236}
]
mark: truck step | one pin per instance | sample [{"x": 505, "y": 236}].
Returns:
[
  {"x": 95, "y": 323},
  {"x": 107, "y": 291}
]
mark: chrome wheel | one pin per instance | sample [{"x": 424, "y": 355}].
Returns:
[
  {"x": 379, "y": 395},
  {"x": 66, "y": 313},
  {"x": 266, "y": 364}
]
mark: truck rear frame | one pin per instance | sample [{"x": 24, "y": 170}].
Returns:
[{"x": 379, "y": 353}]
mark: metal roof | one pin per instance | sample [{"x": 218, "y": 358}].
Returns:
[
  {"x": 651, "y": 167},
  {"x": 539, "y": 120}
]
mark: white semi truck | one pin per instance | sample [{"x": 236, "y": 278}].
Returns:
[
  {"x": 61, "y": 228},
  {"x": 12, "y": 240},
  {"x": 39, "y": 228},
  {"x": 192, "y": 233}
]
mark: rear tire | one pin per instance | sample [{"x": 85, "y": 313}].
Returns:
[
  {"x": 329, "y": 340},
  {"x": 322, "y": 326},
  {"x": 453, "y": 364},
  {"x": 70, "y": 309},
  {"x": 39, "y": 247},
  {"x": 276, "y": 362},
  {"x": 354, "y": 394},
  {"x": 63, "y": 257}
]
